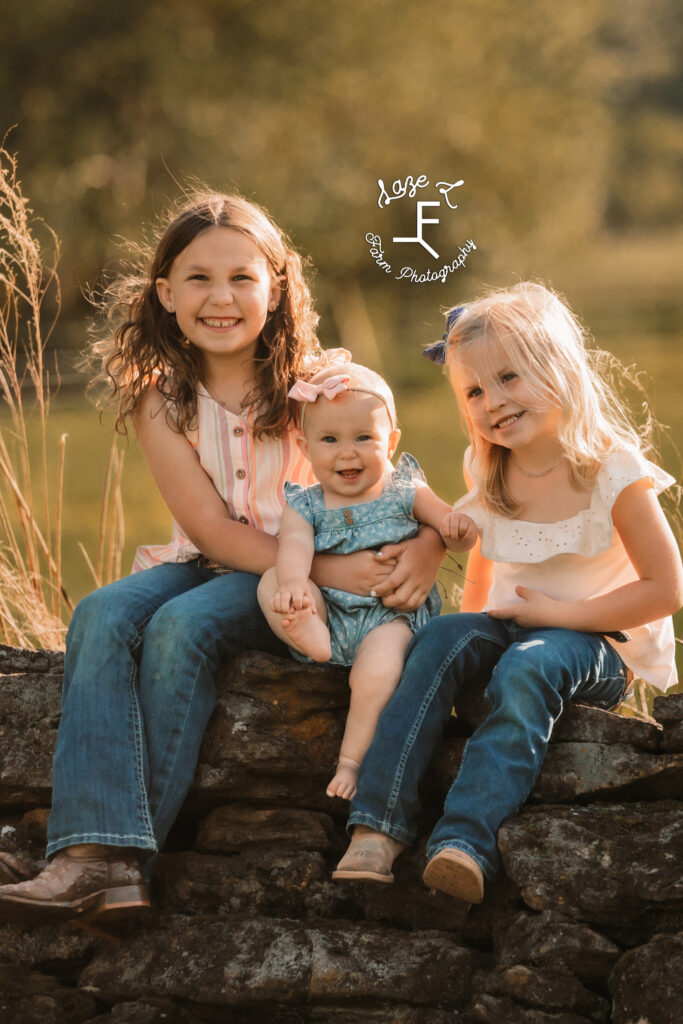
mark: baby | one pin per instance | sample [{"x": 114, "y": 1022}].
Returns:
[{"x": 349, "y": 433}]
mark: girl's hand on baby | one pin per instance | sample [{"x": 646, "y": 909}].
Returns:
[
  {"x": 292, "y": 597},
  {"x": 536, "y": 610},
  {"x": 357, "y": 573},
  {"x": 409, "y": 584},
  {"x": 458, "y": 531}
]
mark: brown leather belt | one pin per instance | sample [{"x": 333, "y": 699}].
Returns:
[{"x": 210, "y": 563}]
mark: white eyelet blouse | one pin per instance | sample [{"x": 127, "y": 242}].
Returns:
[{"x": 577, "y": 558}]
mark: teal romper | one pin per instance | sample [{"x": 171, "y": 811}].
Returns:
[{"x": 341, "y": 531}]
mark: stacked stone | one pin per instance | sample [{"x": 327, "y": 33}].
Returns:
[{"x": 584, "y": 925}]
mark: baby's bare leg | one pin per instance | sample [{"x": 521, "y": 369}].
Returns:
[
  {"x": 305, "y": 628},
  {"x": 374, "y": 677}
]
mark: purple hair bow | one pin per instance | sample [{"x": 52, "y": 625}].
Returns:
[
  {"x": 302, "y": 391},
  {"x": 436, "y": 353}
]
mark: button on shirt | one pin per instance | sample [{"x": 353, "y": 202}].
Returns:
[{"x": 248, "y": 474}]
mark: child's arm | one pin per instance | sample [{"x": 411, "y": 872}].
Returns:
[
  {"x": 478, "y": 579},
  {"x": 479, "y": 572},
  {"x": 191, "y": 496},
  {"x": 417, "y": 563},
  {"x": 199, "y": 509},
  {"x": 409, "y": 584},
  {"x": 358, "y": 572},
  {"x": 419, "y": 559},
  {"x": 657, "y": 593},
  {"x": 293, "y": 565},
  {"x": 458, "y": 531}
]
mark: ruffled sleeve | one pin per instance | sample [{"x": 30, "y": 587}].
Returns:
[
  {"x": 405, "y": 478},
  {"x": 626, "y": 467},
  {"x": 587, "y": 533},
  {"x": 299, "y": 498}
]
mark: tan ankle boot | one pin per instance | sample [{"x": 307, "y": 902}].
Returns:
[
  {"x": 369, "y": 858},
  {"x": 454, "y": 872},
  {"x": 70, "y": 886}
]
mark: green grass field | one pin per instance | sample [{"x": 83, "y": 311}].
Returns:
[{"x": 431, "y": 431}]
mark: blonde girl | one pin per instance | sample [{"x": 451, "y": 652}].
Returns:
[
  {"x": 349, "y": 433},
  {"x": 211, "y": 334},
  {"x": 570, "y": 588}
]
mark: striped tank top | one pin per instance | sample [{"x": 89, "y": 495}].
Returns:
[{"x": 248, "y": 474}]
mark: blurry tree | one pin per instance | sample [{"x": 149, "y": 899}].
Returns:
[
  {"x": 646, "y": 174},
  {"x": 560, "y": 118}
]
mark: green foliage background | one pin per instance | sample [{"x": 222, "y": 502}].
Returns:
[{"x": 564, "y": 120}]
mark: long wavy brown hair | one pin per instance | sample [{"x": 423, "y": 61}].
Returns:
[{"x": 138, "y": 342}]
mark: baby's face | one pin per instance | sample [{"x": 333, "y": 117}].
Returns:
[{"x": 349, "y": 441}]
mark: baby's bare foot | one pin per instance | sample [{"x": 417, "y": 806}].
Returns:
[
  {"x": 344, "y": 782},
  {"x": 307, "y": 632}
]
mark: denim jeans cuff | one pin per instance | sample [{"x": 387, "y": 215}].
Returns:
[
  {"x": 457, "y": 844},
  {"x": 395, "y": 831},
  {"x": 130, "y": 842}
]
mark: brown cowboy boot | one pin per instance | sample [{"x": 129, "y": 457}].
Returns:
[
  {"x": 17, "y": 867},
  {"x": 109, "y": 884}
]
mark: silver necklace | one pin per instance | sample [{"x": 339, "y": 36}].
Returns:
[
  {"x": 536, "y": 475},
  {"x": 213, "y": 398},
  {"x": 220, "y": 401}
]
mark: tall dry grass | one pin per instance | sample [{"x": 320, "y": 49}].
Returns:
[{"x": 34, "y": 603}]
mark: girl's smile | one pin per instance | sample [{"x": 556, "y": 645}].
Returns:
[
  {"x": 500, "y": 404},
  {"x": 508, "y": 421},
  {"x": 217, "y": 323},
  {"x": 220, "y": 289}
]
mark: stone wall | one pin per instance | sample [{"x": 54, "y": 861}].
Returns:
[{"x": 585, "y": 925}]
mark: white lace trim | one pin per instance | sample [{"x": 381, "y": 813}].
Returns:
[{"x": 587, "y": 533}]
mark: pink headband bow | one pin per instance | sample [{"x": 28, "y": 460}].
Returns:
[{"x": 330, "y": 388}]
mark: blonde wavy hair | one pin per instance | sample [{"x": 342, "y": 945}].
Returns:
[
  {"x": 545, "y": 344},
  {"x": 137, "y": 342}
]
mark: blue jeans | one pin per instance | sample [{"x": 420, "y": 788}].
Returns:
[
  {"x": 529, "y": 674},
  {"x": 141, "y": 658}
]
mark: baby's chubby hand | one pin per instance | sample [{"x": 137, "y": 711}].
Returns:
[
  {"x": 458, "y": 531},
  {"x": 292, "y": 596}
]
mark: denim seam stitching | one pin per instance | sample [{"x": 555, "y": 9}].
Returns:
[
  {"x": 139, "y": 631},
  {"x": 395, "y": 831},
  {"x": 412, "y": 735},
  {"x": 169, "y": 774},
  {"x": 135, "y": 719},
  {"x": 100, "y": 835}
]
